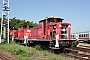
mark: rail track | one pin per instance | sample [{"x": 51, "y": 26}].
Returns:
[
  {"x": 81, "y": 52},
  {"x": 6, "y": 56}
]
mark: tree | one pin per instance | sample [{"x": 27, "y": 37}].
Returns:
[
  {"x": 0, "y": 23},
  {"x": 16, "y": 23}
]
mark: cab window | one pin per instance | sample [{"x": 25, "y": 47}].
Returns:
[
  {"x": 57, "y": 20},
  {"x": 50, "y": 21},
  {"x": 40, "y": 23}
]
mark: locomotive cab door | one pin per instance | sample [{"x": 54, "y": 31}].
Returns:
[
  {"x": 43, "y": 24},
  {"x": 44, "y": 27}
]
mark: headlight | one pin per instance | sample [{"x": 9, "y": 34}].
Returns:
[
  {"x": 54, "y": 26},
  {"x": 63, "y": 29},
  {"x": 69, "y": 26},
  {"x": 60, "y": 25}
]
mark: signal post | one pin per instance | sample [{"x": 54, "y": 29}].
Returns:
[{"x": 5, "y": 20}]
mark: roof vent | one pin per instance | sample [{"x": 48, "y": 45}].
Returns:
[{"x": 51, "y": 16}]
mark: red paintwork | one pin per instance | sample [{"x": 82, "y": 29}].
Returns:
[
  {"x": 83, "y": 39},
  {"x": 38, "y": 32}
]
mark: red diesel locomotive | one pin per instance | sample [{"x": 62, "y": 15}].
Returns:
[{"x": 51, "y": 32}]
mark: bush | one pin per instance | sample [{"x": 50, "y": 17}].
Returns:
[
  {"x": 38, "y": 47},
  {"x": 4, "y": 41},
  {"x": 20, "y": 52},
  {"x": 45, "y": 54}
]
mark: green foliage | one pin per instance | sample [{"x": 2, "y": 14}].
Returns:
[
  {"x": 29, "y": 53},
  {"x": 4, "y": 41},
  {"x": 0, "y": 24},
  {"x": 19, "y": 52},
  {"x": 38, "y": 47},
  {"x": 16, "y": 23},
  {"x": 45, "y": 54}
]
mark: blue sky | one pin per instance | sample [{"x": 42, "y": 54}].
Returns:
[{"x": 77, "y": 12}]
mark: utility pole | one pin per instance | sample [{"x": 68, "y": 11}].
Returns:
[{"x": 5, "y": 18}]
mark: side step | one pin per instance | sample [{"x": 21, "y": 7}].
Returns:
[
  {"x": 51, "y": 44},
  {"x": 24, "y": 43},
  {"x": 54, "y": 48}
]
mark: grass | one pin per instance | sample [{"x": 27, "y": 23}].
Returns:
[{"x": 29, "y": 53}]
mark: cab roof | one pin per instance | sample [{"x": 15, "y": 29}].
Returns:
[{"x": 51, "y": 18}]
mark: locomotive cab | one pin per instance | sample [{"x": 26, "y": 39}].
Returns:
[{"x": 53, "y": 26}]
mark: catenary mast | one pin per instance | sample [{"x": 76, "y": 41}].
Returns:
[{"x": 5, "y": 18}]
